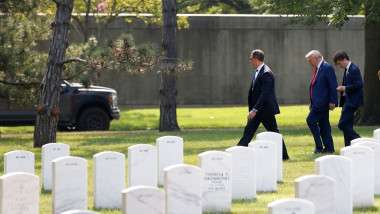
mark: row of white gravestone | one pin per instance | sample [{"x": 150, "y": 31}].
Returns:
[
  {"x": 69, "y": 175},
  {"x": 341, "y": 184}
]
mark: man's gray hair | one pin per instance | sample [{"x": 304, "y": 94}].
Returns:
[{"x": 314, "y": 54}]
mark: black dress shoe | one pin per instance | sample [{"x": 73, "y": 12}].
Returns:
[
  {"x": 317, "y": 151},
  {"x": 327, "y": 151}
]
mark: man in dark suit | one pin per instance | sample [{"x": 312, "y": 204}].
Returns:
[
  {"x": 323, "y": 97},
  {"x": 262, "y": 102},
  {"x": 351, "y": 95}
]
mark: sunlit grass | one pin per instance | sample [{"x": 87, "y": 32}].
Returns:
[{"x": 197, "y": 139}]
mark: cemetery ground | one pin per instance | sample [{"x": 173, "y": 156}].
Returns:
[{"x": 202, "y": 129}]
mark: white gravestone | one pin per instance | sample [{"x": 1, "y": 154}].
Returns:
[
  {"x": 216, "y": 181},
  {"x": 109, "y": 179},
  {"x": 363, "y": 175},
  {"x": 80, "y": 212},
  {"x": 277, "y": 139},
  {"x": 169, "y": 152},
  {"x": 318, "y": 189},
  {"x": 266, "y": 165},
  {"x": 142, "y": 165},
  {"x": 69, "y": 184},
  {"x": 143, "y": 199},
  {"x": 19, "y": 193},
  {"x": 363, "y": 139},
  {"x": 376, "y": 135},
  {"x": 50, "y": 152},
  {"x": 183, "y": 189},
  {"x": 376, "y": 165},
  {"x": 243, "y": 172},
  {"x": 338, "y": 168},
  {"x": 291, "y": 206},
  {"x": 19, "y": 161}
]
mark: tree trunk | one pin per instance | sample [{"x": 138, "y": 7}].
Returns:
[
  {"x": 369, "y": 113},
  {"x": 168, "y": 105},
  {"x": 47, "y": 117}
]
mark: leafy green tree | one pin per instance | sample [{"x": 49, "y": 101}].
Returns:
[
  {"x": 336, "y": 13},
  {"x": 105, "y": 12},
  {"x": 21, "y": 68},
  {"x": 218, "y": 7}
]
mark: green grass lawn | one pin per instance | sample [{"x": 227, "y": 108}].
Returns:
[{"x": 203, "y": 129}]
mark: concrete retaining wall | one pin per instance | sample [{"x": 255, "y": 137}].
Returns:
[{"x": 220, "y": 46}]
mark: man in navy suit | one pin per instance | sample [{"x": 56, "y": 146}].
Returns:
[
  {"x": 262, "y": 102},
  {"x": 351, "y": 95},
  {"x": 323, "y": 97}
]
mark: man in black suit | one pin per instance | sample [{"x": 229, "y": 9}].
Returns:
[
  {"x": 351, "y": 95},
  {"x": 262, "y": 102}
]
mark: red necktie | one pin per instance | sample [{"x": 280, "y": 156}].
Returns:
[{"x": 312, "y": 82}]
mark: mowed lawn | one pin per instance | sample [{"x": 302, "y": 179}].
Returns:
[{"x": 202, "y": 129}]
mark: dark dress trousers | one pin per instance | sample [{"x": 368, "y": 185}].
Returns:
[
  {"x": 352, "y": 100},
  {"x": 262, "y": 97},
  {"x": 324, "y": 92}
]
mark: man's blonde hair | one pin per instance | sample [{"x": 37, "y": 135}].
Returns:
[{"x": 314, "y": 54}]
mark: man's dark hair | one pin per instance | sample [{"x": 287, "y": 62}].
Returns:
[
  {"x": 258, "y": 54},
  {"x": 340, "y": 55}
]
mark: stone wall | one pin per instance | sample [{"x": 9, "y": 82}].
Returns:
[{"x": 220, "y": 46}]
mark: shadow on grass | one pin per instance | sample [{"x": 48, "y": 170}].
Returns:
[
  {"x": 45, "y": 192},
  {"x": 366, "y": 209}
]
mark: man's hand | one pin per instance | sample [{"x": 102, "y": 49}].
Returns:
[
  {"x": 341, "y": 88},
  {"x": 331, "y": 106},
  {"x": 251, "y": 115}
]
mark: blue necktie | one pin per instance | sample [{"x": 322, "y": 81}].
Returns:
[{"x": 254, "y": 79}]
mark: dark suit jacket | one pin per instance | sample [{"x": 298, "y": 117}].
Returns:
[
  {"x": 354, "y": 84},
  {"x": 324, "y": 88},
  {"x": 261, "y": 95}
]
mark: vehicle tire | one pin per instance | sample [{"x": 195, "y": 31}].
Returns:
[{"x": 93, "y": 119}]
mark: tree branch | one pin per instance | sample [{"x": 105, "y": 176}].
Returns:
[
  {"x": 19, "y": 83},
  {"x": 71, "y": 60}
]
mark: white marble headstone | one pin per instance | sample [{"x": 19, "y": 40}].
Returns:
[
  {"x": 50, "y": 152},
  {"x": 19, "y": 161},
  {"x": 109, "y": 179},
  {"x": 142, "y": 165},
  {"x": 19, "y": 193},
  {"x": 338, "y": 168},
  {"x": 318, "y": 189},
  {"x": 80, "y": 212},
  {"x": 183, "y": 189},
  {"x": 376, "y": 135},
  {"x": 266, "y": 165},
  {"x": 291, "y": 206},
  {"x": 69, "y": 184},
  {"x": 243, "y": 172},
  {"x": 216, "y": 181},
  {"x": 169, "y": 152},
  {"x": 277, "y": 139},
  {"x": 143, "y": 199},
  {"x": 363, "y": 139},
  {"x": 363, "y": 174},
  {"x": 376, "y": 165}
]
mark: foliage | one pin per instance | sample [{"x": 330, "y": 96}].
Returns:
[
  {"x": 21, "y": 67},
  {"x": 217, "y": 7},
  {"x": 333, "y": 12},
  {"x": 107, "y": 11}
]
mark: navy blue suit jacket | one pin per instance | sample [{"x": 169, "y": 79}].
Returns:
[
  {"x": 324, "y": 88},
  {"x": 261, "y": 95},
  {"x": 354, "y": 84}
]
